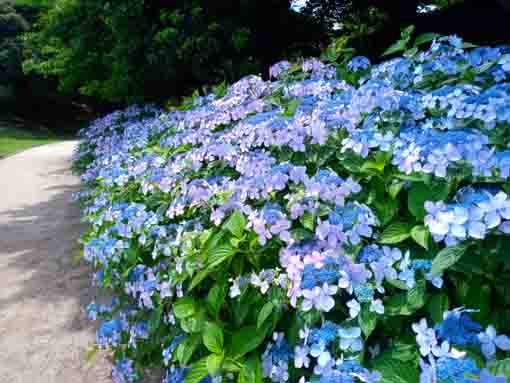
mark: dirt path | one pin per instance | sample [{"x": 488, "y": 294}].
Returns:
[{"x": 44, "y": 334}]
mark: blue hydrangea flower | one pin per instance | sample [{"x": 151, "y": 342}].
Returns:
[{"x": 458, "y": 328}]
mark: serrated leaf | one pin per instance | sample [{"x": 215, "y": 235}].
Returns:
[
  {"x": 467, "y": 45},
  {"x": 155, "y": 319},
  {"x": 406, "y": 303},
  {"x": 395, "y": 233},
  {"x": 425, "y": 38},
  {"x": 437, "y": 305},
  {"x": 416, "y": 295},
  {"x": 447, "y": 258},
  {"x": 421, "y": 235},
  {"x": 386, "y": 210},
  {"x": 184, "y": 307},
  {"x": 300, "y": 234},
  {"x": 219, "y": 254},
  {"x": 246, "y": 340},
  {"x": 399, "y": 46},
  {"x": 236, "y": 224},
  {"x": 398, "y": 284},
  {"x": 395, "y": 188},
  {"x": 213, "y": 337},
  {"x": 367, "y": 321},
  {"x": 308, "y": 221},
  {"x": 411, "y": 52},
  {"x": 251, "y": 371},
  {"x": 214, "y": 362},
  {"x": 405, "y": 352},
  {"x": 184, "y": 350},
  {"x": 485, "y": 67},
  {"x": 420, "y": 193},
  {"x": 199, "y": 277},
  {"x": 397, "y": 305},
  {"x": 500, "y": 367},
  {"x": 264, "y": 313},
  {"x": 407, "y": 32},
  {"x": 216, "y": 298},
  {"x": 378, "y": 167},
  {"x": 197, "y": 372},
  {"x": 396, "y": 371}
]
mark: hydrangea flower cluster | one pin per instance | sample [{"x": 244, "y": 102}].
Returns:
[
  {"x": 474, "y": 214},
  {"x": 442, "y": 361},
  {"x": 291, "y": 230}
]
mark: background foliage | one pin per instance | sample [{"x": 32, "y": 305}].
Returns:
[{"x": 133, "y": 49}]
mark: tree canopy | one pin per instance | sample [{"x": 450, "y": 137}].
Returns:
[{"x": 133, "y": 49}]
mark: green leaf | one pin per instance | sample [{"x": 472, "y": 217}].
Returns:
[
  {"x": 386, "y": 209},
  {"x": 197, "y": 372},
  {"x": 251, "y": 371},
  {"x": 411, "y": 52},
  {"x": 213, "y": 337},
  {"x": 437, "y": 305},
  {"x": 184, "y": 350},
  {"x": 405, "y": 352},
  {"x": 480, "y": 299},
  {"x": 500, "y": 367},
  {"x": 396, "y": 371},
  {"x": 219, "y": 254},
  {"x": 155, "y": 319},
  {"x": 397, "y": 305},
  {"x": 184, "y": 308},
  {"x": 398, "y": 284},
  {"x": 399, "y": 46},
  {"x": 407, "y": 32},
  {"x": 199, "y": 277},
  {"x": 467, "y": 45},
  {"x": 447, "y": 258},
  {"x": 425, "y": 38},
  {"x": 421, "y": 235},
  {"x": 291, "y": 107},
  {"x": 247, "y": 339},
  {"x": 216, "y": 256},
  {"x": 308, "y": 221},
  {"x": 395, "y": 188},
  {"x": 214, "y": 362},
  {"x": 264, "y": 313},
  {"x": 216, "y": 298},
  {"x": 485, "y": 67},
  {"x": 377, "y": 167},
  {"x": 419, "y": 193},
  {"x": 367, "y": 321},
  {"x": 300, "y": 234},
  {"x": 406, "y": 303},
  {"x": 236, "y": 224},
  {"x": 416, "y": 296},
  {"x": 395, "y": 233}
]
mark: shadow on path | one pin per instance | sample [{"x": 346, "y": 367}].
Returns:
[{"x": 44, "y": 332}]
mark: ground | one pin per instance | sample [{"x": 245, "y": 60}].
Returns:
[{"x": 44, "y": 334}]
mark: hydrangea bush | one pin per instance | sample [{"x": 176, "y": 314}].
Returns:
[{"x": 339, "y": 224}]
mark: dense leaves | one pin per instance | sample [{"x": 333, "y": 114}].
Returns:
[
  {"x": 319, "y": 227},
  {"x": 133, "y": 49}
]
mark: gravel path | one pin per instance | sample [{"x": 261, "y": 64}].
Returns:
[{"x": 44, "y": 334}]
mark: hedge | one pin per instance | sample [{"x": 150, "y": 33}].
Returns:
[{"x": 340, "y": 223}]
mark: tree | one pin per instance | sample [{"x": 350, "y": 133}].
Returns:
[
  {"x": 372, "y": 25},
  {"x": 132, "y": 50}
]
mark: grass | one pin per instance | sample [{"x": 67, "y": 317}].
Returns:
[{"x": 13, "y": 140}]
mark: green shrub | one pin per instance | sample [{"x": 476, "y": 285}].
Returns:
[
  {"x": 135, "y": 50},
  {"x": 336, "y": 225}
]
